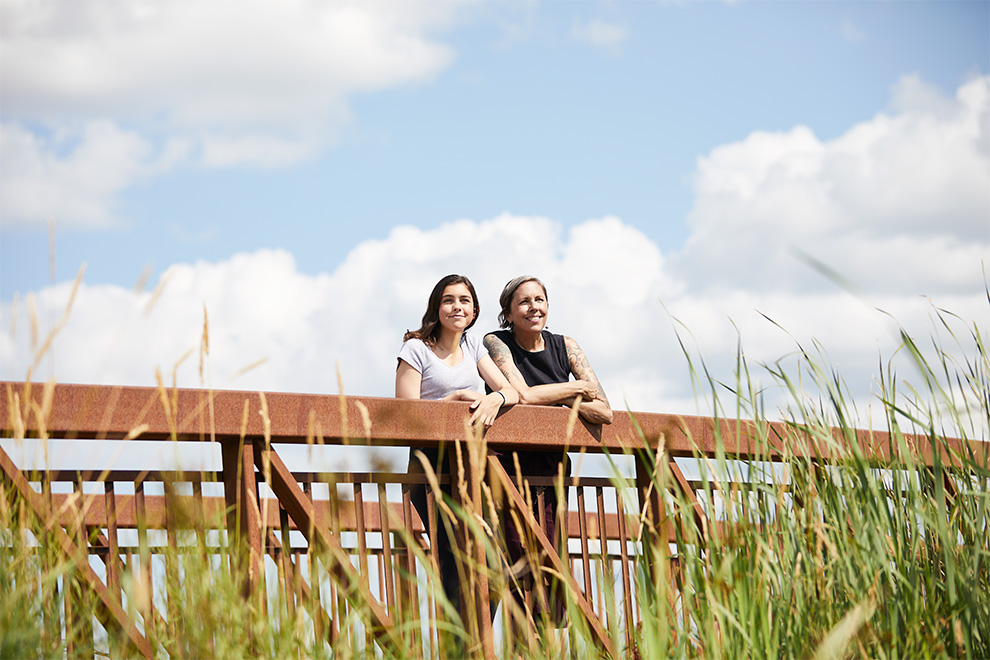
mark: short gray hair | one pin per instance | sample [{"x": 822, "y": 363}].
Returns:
[{"x": 505, "y": 300}]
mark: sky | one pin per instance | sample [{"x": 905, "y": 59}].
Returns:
[{"x": 295, "y": 176}]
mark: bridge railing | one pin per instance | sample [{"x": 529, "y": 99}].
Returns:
[{"x": 347, "y": 550}]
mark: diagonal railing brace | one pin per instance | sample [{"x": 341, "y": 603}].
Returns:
[
  {"x": 534, "y": 528},
  {"x": 300, "y": 509}
]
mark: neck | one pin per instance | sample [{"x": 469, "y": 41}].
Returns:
[
  {"x": 529, "y": 341},
  {"x": 449, "y": 340}
]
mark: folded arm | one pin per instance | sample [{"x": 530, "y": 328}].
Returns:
[
  {"x": 485, "y": 407},
  {"x": 593, "y": 406}
]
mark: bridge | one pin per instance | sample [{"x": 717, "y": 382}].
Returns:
[{"x": 345, "y": 553}]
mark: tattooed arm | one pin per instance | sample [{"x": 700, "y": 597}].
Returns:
[
  {"x": 596, "y": 408},
  {"x": 591, "y": 408}
]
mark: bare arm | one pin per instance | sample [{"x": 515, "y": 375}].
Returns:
[
  {"x": 595, "y": 409},
  {"x": 486, "y": 406},
  {"x": 497, "y": 381},
  {"x": 546, "y": 395},
  {"x": 407, "y": 381}
]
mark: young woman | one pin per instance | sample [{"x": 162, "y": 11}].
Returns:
[
  {"x": 539, "y": 365},
  {"x": 440, "y": 361}
]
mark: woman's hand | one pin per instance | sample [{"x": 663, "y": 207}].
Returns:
[
  {"x": 587, "y": 390},
  {"x": 486, "y": 409}
]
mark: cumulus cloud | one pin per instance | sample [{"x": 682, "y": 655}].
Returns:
[
  {"x": 898, "y": 203},
  {"x": 274, "y": 328},
  {"x": 75, "y": 174},
  {"x": 226, "y": 83},
  {"x": 772, "y": 214}
]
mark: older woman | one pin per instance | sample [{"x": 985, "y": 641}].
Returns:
[{"x": 539, "y": 365}]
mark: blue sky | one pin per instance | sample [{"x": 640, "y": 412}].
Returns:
[{"x": 305, "y": 172}]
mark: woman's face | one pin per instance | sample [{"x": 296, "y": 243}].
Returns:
[
  {"x": 456, "y": 307},
  {"x": 529, "y": 309}
]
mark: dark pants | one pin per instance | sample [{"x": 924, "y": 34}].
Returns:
[
  {"x": 517, "y": 542},
  {"x": 447, "y": 565}
]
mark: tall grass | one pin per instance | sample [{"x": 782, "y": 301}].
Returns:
[
  {"x": 854, "y": 556},
  {"x": 851, "y": 553}
]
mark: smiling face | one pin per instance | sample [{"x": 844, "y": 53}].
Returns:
[
  {"x": 457, "y": 308},
  {"x": 529, "y": 310}
]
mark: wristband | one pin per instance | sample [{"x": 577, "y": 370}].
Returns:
[{"x": 503, "y": 398}]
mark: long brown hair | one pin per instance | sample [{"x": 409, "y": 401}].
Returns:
[{"x": 429, "y": 330}]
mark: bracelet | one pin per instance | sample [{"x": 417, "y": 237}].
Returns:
[{"x": 503, "y": 398}]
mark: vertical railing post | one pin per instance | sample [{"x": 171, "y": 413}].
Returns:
[
  {"x": 243, "y": 513},
  {"x": 173, "y": 562},
  {"x": 471, "y": 548},
  {"x": 651, "y": 488},
  {"x": 50, "y": 600},
  {"x": 146, "y": 599}
]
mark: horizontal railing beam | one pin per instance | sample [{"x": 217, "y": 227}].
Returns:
[
  {"x": 114, "y": 412},
  {"x": 93, "y": 510}
]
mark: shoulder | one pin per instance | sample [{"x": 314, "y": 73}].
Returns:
[
  {"x": 557, "y": 342},
  {"x": 500, "y": 347},
  {"x": 473, "y": 346},
  {"x": 414, "y": 344},
  {"x": 412, "y": 351},
  {"x": 571, "y": 347},
  {"x": 497, "y": 338}
]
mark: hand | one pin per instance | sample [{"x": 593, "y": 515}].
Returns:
[
  {"x": 486, "y": 409},
  {"x": 587, "y": 390}
]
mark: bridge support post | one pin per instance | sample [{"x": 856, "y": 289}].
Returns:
[
  {"x": 243, "y": 514},
  {"x": 651, "y": 486},
  {"x": 471, "y": 542}
]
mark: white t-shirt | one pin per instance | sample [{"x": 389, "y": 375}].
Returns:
[{"x": 439, "y": 380}]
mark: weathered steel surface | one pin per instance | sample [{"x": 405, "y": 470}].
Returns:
[
  {"x": 95, "y": 509},
  {"x": 88, "y": 411},
  {"x": 246, "y": 424}
]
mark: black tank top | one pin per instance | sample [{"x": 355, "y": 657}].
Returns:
[{"x": 541, "y": 368}]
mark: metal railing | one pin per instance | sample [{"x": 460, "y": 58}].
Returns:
[{"x": 256, "y": 518}]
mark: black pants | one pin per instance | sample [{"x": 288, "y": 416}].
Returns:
[
  {"x": 447, "y": 564},
  {"x": 516, "y": 540}
]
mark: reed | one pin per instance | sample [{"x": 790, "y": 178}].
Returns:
[{"x": 849, "y": 552}]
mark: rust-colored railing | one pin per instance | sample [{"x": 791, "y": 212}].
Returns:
[{"x": 123, "y": 520}]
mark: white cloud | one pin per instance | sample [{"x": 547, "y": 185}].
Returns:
[
  {"x": 599, "y": 33},
  {"x": 610, "y": 286},
  {"x": 234, "y": 83},
  {"x": 900, "y": 202},
  {"x": 74, "y": 175},
  {"x": 606, "y": 281}
]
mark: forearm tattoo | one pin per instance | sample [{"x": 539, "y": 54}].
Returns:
[{"x": 582, "y": 368}]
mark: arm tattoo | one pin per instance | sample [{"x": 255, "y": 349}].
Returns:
[
  {"x": 502, "y": 358},
  {"x": 582, "y": 368}
]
